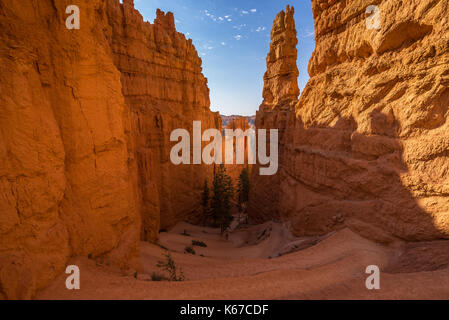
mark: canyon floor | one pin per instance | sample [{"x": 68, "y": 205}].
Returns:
[{"x": 267, "y": 262}]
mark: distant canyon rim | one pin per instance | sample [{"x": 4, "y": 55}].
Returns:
[{"x": 363, "y": 155}]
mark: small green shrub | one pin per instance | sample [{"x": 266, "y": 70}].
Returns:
[
  {"x": 170, "y": 266},
  {"x": 189, "y": 249},
  {"x": 158, "y": 277},
  {"x": 199, "y": 243}
]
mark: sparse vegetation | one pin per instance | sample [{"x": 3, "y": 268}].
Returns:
[
  {"x": 262, "y": 234},
  {"x": 175, "y": 273},
  {"x": 221, "y": 200},
  {"x": 243, "y": 188},
  {"x": 217, "y": 208},
  {"x": 158, "y": 277},
  {"x": 199, "y": 243},
  {"x": 189, "y": 249},
  {"x": 184, "y": 233},
  {"x": 205, "y": 199},
  {"x": 159, "y": 245}
]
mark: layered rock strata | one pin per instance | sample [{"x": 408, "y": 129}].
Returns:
[
  {"x": 280, "y": 94},
  {"x": 85, "y": 119},
  {"x": 367, "y": 144}
]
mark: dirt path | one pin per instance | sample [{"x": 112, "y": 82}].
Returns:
[{"x": 254, "y": 264}]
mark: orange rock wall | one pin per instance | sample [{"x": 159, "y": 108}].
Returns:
[
  {"x": 367, "y": 145},
  {"x": 85, "y": 117},
  {"x": 164, "y": 89},
  {"x": 280, "y": 95},
  {"x": 234, "y": 170}
]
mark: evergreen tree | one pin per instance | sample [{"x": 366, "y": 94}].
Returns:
[
  {"x": 205, "y": 197},
  {"x": 205, "y": 201},
  {"x": 243, "y": 187},
  {"x": 221, "y": 200}
]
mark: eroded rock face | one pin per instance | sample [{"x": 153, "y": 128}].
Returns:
[
  {"x": 281, "y": 78},
  {"x": 234, "y": 170},
  {"x": 280, "y": 95},
  {"x": 367, "y": 146},
  {"x": 164, "y": 89},
  {"x": 85, "y": 119}
]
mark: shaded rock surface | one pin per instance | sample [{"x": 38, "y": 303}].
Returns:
[
  {"x": 366, "y": 146},
  {"x": 85, "y": 119},
  {"x": 164, "y": 89},
  {"x": 280, "y": 95}
]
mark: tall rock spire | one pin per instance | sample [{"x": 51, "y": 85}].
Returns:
[{"x": 281, "y": 78}]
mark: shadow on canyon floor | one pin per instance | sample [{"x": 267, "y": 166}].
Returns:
[{"x": 356, "y": 176}]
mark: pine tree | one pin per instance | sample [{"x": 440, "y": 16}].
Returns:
[
  {"x": 205, "y": 196},
  {"x": 243, "y": 187},
  {"x": 205, "y": 201},
  {"x": 221, "y": 200}
]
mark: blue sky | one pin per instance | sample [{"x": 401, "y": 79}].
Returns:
[{"x": 232, "y": 38}]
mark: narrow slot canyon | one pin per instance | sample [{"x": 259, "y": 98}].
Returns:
[{"x": 87, "y": 177}]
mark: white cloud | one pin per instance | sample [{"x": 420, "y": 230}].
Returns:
[
  {"x": 244, "y": 12},
  {"x": 253, "y": 10},
  {"x": 229, "y": 20},
  {"x": 238, "y": 37},
  {"x": 220, "y": 18},
  {"x": 223, "y": 43},
  {"x": 239, "y": 27},
  {"x": 259, "y": 29},
  {"x": 227, "y": 17},
  {"x": 207, "y": 13},
  {"x": 309, "y": 34}
]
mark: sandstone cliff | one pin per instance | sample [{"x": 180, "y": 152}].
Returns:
[
  {"x": 164, "y": 89},
  {"x": 85, "y": 117},
  {"x": 234, "y": 170},
  {"x": 280, "y": 95},
  {"x": 367, "y": 145}
]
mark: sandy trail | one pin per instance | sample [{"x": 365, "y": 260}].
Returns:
[{"x": 249, "y": 266}]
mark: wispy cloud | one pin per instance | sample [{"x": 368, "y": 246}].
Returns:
[
  {"x": 309, "y": 34},
  {"x": 238, "y": 37},
  {"x": 245, "y": 12},
  {"x": 223, "y": 43},
  {"x": 217, "y": 18},
  {"x": 210, "y": 15},
  {"x": 240, "y": 27},
  {"x": 259, "y": 29}
]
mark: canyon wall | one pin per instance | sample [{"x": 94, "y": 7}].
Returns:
[
  {"x": 234, "y": 170},
  {"x": 164, "y": 89},
  {"x": 280, "y": 94},
  {"x": 367, "y": 144},
  {"x": 85, "y": 118}
]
